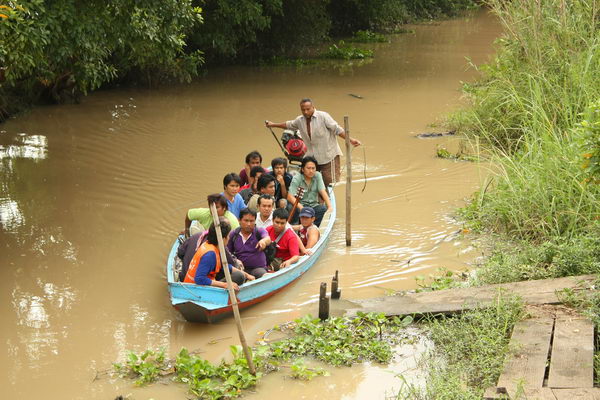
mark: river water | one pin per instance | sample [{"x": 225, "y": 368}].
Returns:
[{"x": 92, "y": 195}]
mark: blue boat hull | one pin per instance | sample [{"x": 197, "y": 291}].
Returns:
[{"x": 209, "y": 304}]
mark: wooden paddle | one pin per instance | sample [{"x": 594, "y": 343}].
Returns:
[{"x": 232, "y": 296}]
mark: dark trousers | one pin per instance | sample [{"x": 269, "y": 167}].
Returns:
[
  {"x": 237, "y": 276},
  {"x": 257, "y": 272}
]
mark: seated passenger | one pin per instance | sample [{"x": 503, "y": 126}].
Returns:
[
  {"x": 204, "y": 218},
  {"x": 249, "y": 189},
  {"x": 282, "y": 180},
  {"x": 287, "y": 240},
  {"x": 265, "y": 185},
  {"x": 307, "y": 230},
  {"x": 188, "y": 248},
  {"x": 205, "y": 267},
  {"x": 231, "y": 188},
  {"x": 253, "y": 159},
  {"x": 264, "y": 217},
  {"x": 312, "y": 182},
  {"x": 248, "y": 243}
]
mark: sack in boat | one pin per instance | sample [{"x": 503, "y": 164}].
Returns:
[
  {"x": 270, "y": 251},
  {"x": 276, "y": 263}
]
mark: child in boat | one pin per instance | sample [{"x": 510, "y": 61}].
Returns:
[
  {"x": 307, "y": 230},
  {"x": 253, "y": 159},
  {"x": 205, "y": 267},
  {"x": 282, "y": 180},
  {"x": 231, "y": 188}
]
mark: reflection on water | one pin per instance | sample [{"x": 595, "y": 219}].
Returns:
[
  {"x": 25, "y": 146},
  {"x": 10, "y": 214},
  {"x": 91, "y": 196}
]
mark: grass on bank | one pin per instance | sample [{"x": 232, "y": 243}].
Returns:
[
  {"x": 469, "y": 352},
  {"x": 536, "y": 108}
]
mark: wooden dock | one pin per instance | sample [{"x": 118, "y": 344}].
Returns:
[
  {"x": 552, "y": 352},
  {"x": 552, "y": 359},
  {"x": 457, "y": 300}
]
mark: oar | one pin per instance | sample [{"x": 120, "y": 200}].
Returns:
[
  {"x": 277, "y": 140},
  {"x": 234, "y": 303}
]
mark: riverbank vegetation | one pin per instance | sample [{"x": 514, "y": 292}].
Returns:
[
  {"x": 336, "y": 341},
  {"x": 58, "y": 51},
  {"x": 536, "y": 111}
]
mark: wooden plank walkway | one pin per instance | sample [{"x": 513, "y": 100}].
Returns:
[
  {"x": 525, "y": 370},
  {"x": 572, "y": 353},
  {"x": 461, "y": 299},
  {"x": 571, "y": 360}
]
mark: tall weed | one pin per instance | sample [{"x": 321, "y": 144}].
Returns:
[
  {"x": 528, "y": 108},
  {"x": 469, "y": 351}
]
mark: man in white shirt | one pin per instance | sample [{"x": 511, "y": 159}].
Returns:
[
  {"x": 265, "y": 211},
  {"x": 319, "y": 131}
]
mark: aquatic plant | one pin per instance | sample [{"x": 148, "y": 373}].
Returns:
[
  {"x": 336, "y": 341},
  {"x": 367, "y": 36},
  {"x": 346, "y": 52},
  {"x": 145, "y": 366}
]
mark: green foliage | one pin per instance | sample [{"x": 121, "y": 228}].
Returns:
[
  {"x": 302, "y": 372},
  {"x": 230, "y": 26},
  {"x": 543, "y": 76},
  {"x": 555, "y": 258},
  {"x": 530, "y": 109},
  {"x": 442, "y": 152},
  {"x": 64, "y": 47},
  {"x": 367, "y": 37},
  {"x": 145, "y": 366},
  {"x": 301, "y": 25},
  {"x": 469, "y": 351},
  {"x": 352, "y": 15},
  {"x": 589, "y": 130},
  {"x": 337, "y": 341},
  {"x": 443, "y": 279},
  {"x": 342, "y": 51}
]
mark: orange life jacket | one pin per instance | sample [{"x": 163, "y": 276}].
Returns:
[{"x": 203, "y": 249}]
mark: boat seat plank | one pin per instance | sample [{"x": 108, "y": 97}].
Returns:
[
  {"x": 525, "y": 370},
  {"x": 572, "y": 362}
]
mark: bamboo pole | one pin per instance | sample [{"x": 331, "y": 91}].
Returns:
[
  {"x": 348, "y": 182},
  {"x": 234, "y": 303}
]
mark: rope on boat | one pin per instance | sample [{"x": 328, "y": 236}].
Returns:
[{"x": 189, "y": 291}]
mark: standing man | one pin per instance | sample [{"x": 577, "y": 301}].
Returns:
[{"x": 319, "y": 132}]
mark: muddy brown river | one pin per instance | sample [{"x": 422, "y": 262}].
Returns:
[{"x": 92, "y": 195}]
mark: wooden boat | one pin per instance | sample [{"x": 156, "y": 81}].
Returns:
[{"x": 209, "y": 304}]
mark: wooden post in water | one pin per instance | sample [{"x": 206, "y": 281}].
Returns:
[
  {"x": 348, "y": 182},
  {"x": 323, "y": 303},
  {"x": 335, "y": 291},
  {"x": 232, "y": 297}
]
